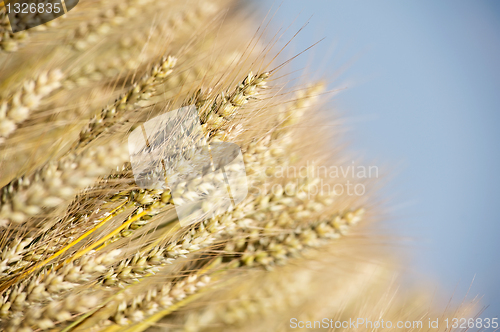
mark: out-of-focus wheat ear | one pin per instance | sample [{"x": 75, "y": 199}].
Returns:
[
  {"x": 118, "y": 62},
  {"x": 380, "y": 295},
  {"x": 36, "y": 295},
  {"x": 293, "y": 112},
  {"x": 17, "y": 107},
  {"x": 56, "y": 183},
  {"x": 275, "y": 245},
  {"x": 91, "y": 25},
  {"x": 270, "y": 150},
  {"x": 90, "y": 31},
  {"x": 9, "y": 42},
  {"x": 139, "y": 305},
  {"x": 140, "y": 42},
  {"x": 59, "y": 311},
  {"x": 143, "y": 310},
  {"x": 175, "y": 20},
  {"x": 264, "y": 300}
]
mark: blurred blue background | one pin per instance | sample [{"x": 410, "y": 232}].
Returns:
[{"x": 423, "y": 102}]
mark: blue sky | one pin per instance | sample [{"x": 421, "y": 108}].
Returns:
[{"x": 423, "y": 101}]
